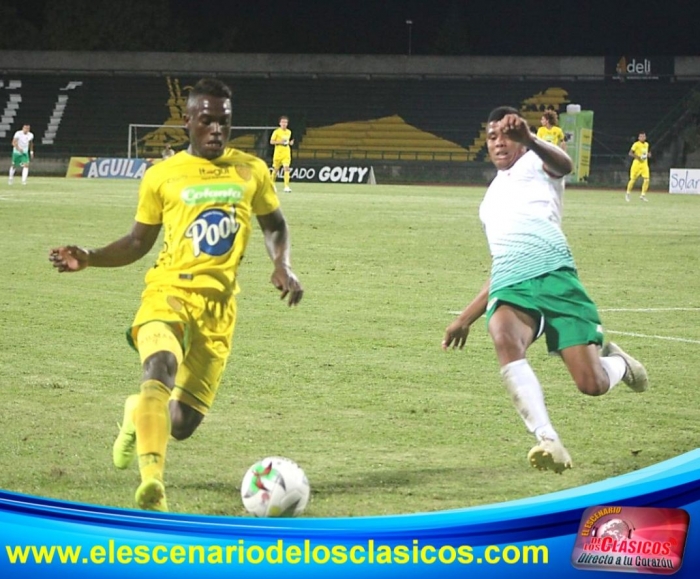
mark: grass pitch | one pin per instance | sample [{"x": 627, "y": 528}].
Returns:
[{"x": 352, "y": 384}]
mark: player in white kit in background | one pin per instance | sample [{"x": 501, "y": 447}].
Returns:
[
  {"x": 22, "y": 150},
  {"x": 534, "y": 288}
]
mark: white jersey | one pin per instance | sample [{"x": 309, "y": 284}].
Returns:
[
  {"x": 23, "y": 140},
  {"x": 521, "y": 213}
]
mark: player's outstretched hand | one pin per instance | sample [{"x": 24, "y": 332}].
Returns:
[
  {"x": 68, "y": 258},
  {"x": 456, "y": 335},
  {"x": 288, "y": 284},
  {"x": 516, "y": 128}
]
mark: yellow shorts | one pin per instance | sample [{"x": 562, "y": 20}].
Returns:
[
  {"x": 638, "y": 170},
  {"x": 204, "y": 322},
  {"x": 281, "y": 161}
]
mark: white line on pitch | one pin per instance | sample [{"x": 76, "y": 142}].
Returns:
[
  {"x": 638, "y": 310},
  {"x": 669, "y": 338},
  {"x": 649, "y": 310}
]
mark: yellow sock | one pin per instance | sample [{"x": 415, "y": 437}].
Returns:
[
  {"x": 286, "y": 178},
  {"x": 152, "y": 423},
  {"x": 645, "y": 186}
]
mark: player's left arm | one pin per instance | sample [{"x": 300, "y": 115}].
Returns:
[
  {"x": 31, "y": 148},
  {"x": 277, "y": 243},
  {"x": 562, "y": 140}
]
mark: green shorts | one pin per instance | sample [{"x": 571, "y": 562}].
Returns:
[
  {"x": 559, "y": 302},
  {"x": 20, "y": 159}
]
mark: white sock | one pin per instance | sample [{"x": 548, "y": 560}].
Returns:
[
  {"x": 615, "y": 368},
  {"x": 527, "y": 396},
  {"x": 25, "y": 172},
  {"x": 12, "y": 172}
]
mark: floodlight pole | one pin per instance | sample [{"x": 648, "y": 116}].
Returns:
[{"x": 409, "y": 23}]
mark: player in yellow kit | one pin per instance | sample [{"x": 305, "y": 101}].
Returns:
[
  {"x": 641, "y": 153},
  {"x": 550, "y": 131},
  {"x": 282, "y": 140},
  {"x": 204, "y": 199}
]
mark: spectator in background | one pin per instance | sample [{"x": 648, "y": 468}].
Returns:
[
  {"x": 550, "y": 130},
  {"x": 640, "y": 166},
  {"x": 282, "y": 140},
  {"x": 22, "y": 150}
]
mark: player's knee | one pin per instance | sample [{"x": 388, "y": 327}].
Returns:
[
  {"x": 184, "y": 420},
  {"x": 181, "y": 431},
  {"x": 593, "y": 383},
  {"x": 506, "y": 341},
  {"x": 161, "y": 366}
]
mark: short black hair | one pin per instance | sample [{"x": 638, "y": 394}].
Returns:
[
  {"x": 210, "y": 87},
  {"x": 499, "y": 112}
]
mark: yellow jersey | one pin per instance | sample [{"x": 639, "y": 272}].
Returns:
[
  {"x": 552, "y": 135},
  {"x": 281, "y": 134},
  {"x": 206, "y": 209},
  {"x": 641, "y": 150}
]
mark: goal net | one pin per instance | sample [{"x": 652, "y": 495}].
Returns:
[{"x": 148, "y": 141}]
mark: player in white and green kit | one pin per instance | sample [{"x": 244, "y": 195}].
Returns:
[
  {"x": 534, "y": 288},
  {"x": 22, "y": 150}
]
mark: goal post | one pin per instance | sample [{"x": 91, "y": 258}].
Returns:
[{"x": 148, "y": 141}]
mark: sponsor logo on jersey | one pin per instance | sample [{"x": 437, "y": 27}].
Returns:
[
  {"x": 222, "y": 193},
  {"x": 214, "y": 172},
  {"x": 213, "y": 232}
]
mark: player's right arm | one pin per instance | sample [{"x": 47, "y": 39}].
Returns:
[
  {"x": 125, "y": 250},
  {"x": 633, "y": 152},
  {"x": 457, "y": 332}
]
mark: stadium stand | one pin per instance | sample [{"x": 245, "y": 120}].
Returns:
[
  {"x": 392, "y": 119},
  {"x": 388, "y": 138}
]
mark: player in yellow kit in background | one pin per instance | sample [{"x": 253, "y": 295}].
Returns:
[
  {"x": 641, "y": 154},
  {"x": 550, "y": 130},
  {"x": 282, "y": 140},
  {"x": 203, "y": 199}
]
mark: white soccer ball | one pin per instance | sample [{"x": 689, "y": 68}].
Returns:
[{"x": 275, "y": 487}]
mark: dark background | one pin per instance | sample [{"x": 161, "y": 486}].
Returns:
[{"x": 439, "y": 27}]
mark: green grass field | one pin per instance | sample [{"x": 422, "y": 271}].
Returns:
[{"x": 352, "y": 384}]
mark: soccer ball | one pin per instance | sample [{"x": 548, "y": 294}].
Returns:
[{"x": 275, "y": 487}]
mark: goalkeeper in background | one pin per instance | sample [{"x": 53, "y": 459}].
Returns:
[
  {"x": 640, "y": 166},
  {"x": 282, "y": 140}
]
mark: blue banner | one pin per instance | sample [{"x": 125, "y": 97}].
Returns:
[{"x": 529, "y": 538}]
